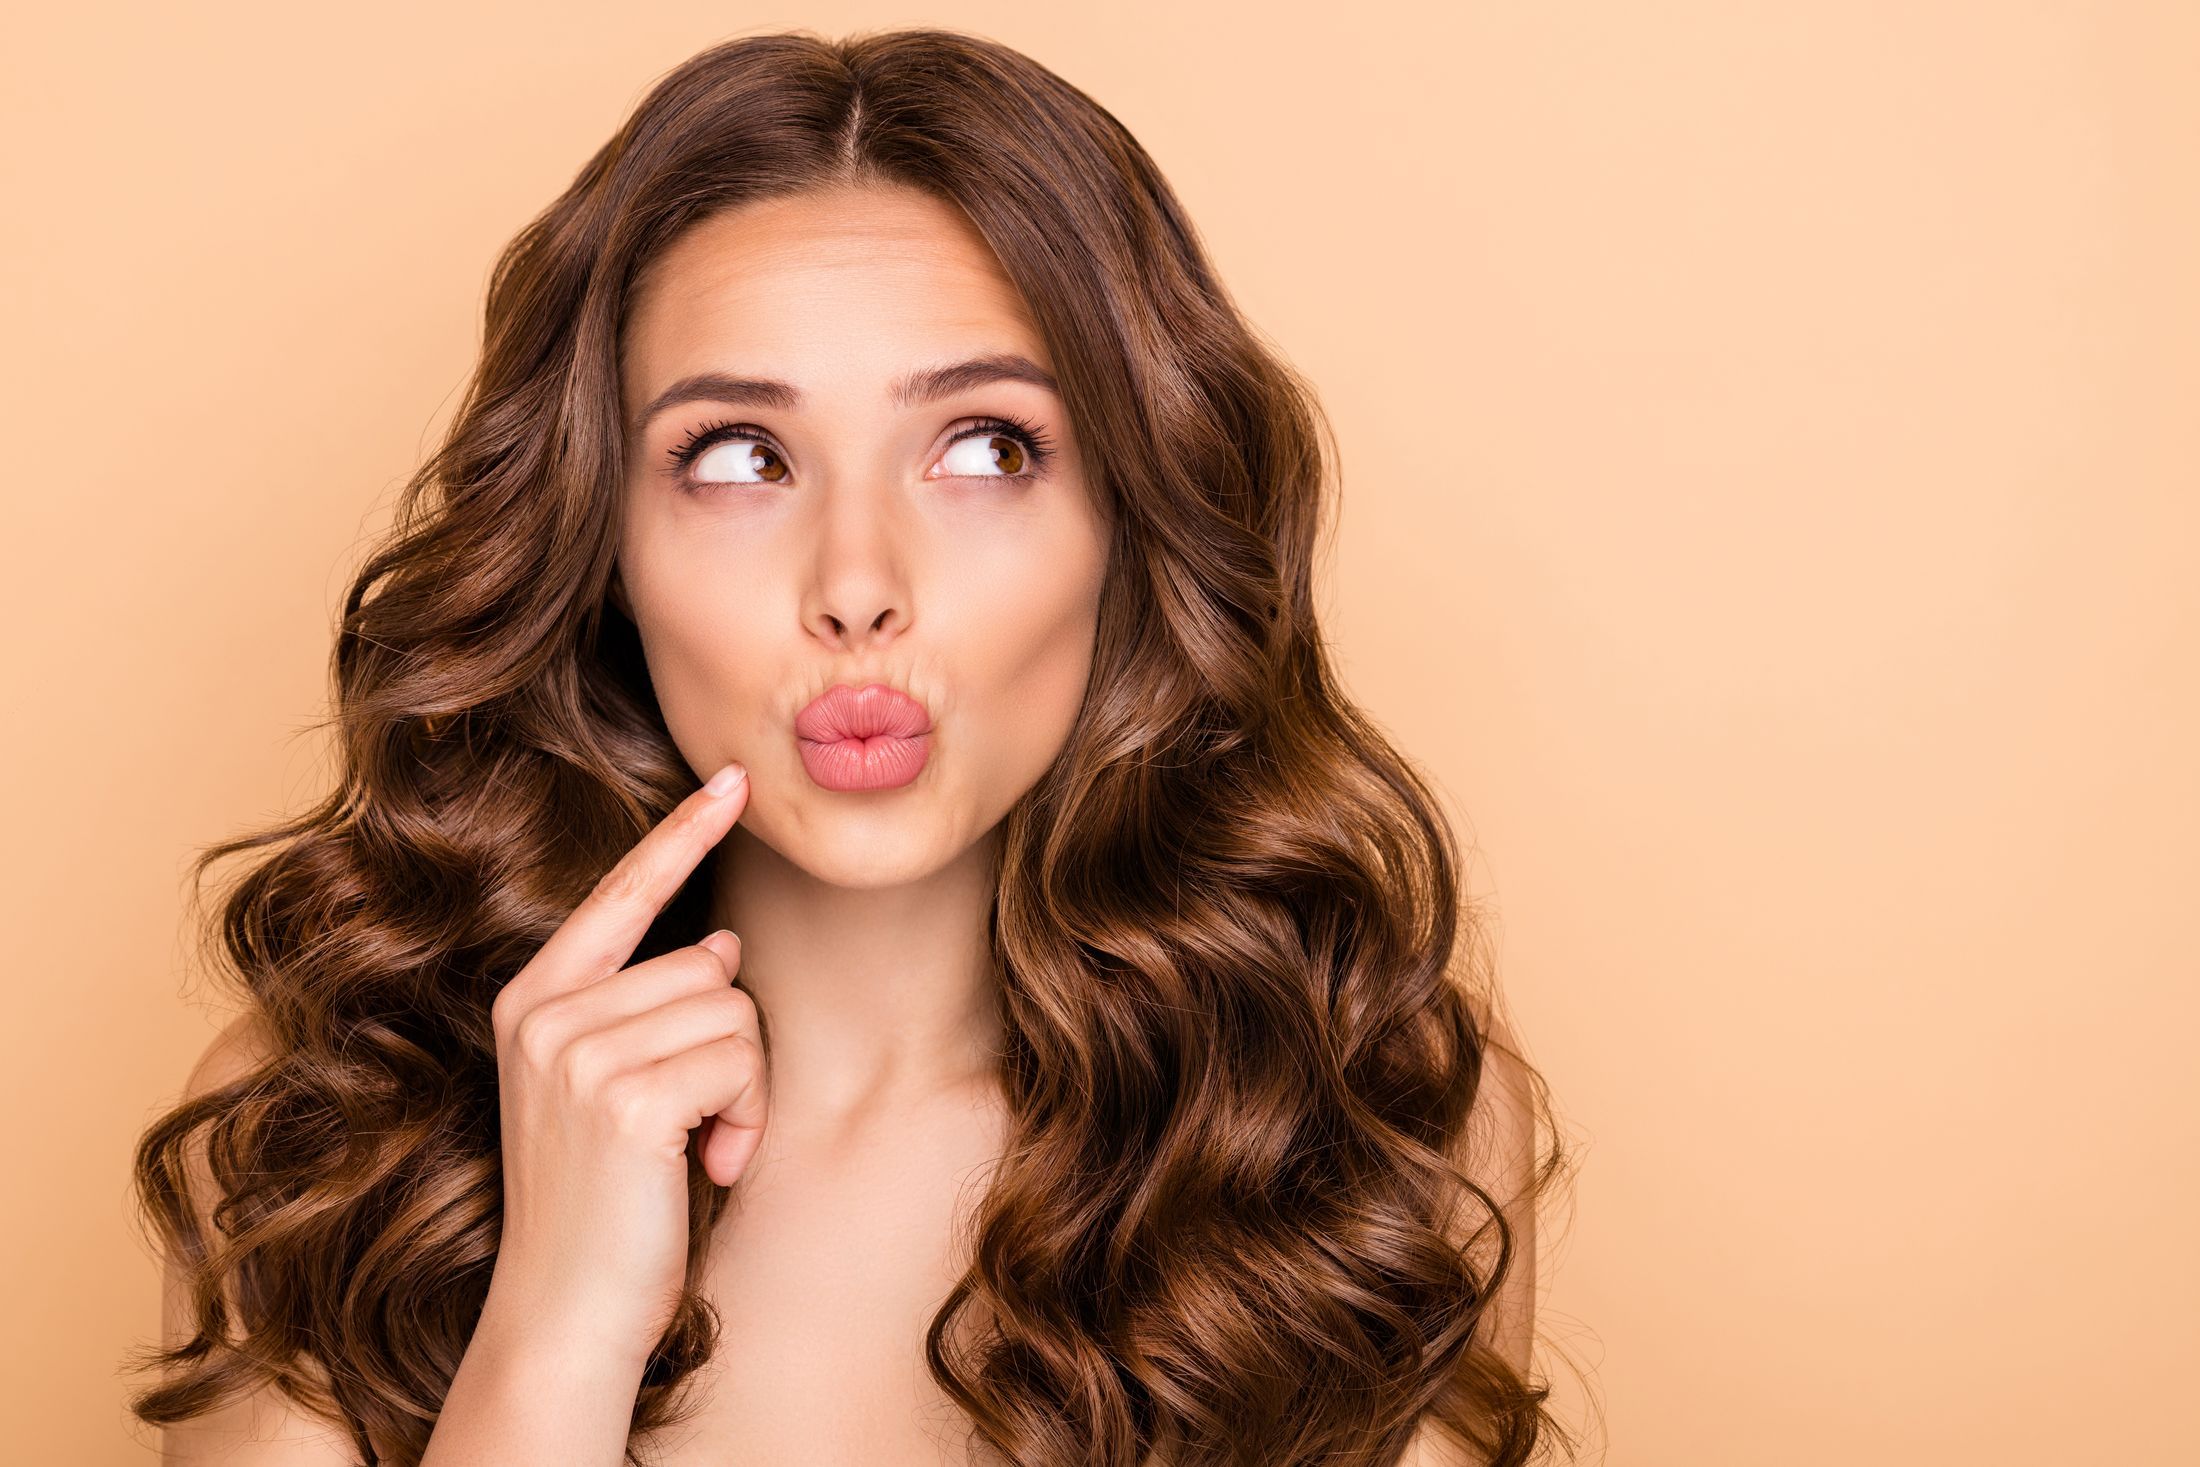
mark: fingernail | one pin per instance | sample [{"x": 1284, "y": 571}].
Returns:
[{"x": 725, "y": 779}]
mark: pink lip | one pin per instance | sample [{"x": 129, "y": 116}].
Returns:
[{"x": 871, "y": 738}]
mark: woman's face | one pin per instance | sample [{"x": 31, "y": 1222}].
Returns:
[{"x": 844, "y": 517}]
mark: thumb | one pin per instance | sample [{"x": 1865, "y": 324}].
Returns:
[{"x": 727, "y": 1149}]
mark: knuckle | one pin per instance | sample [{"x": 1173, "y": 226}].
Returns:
[
  {"x": 586, "y": 1063},
  {"x": 535, "y": 1036},
  {"x": 624, "y": 883},
  {"x": 744, "y": 1006},
  {"x": 504, "y": 1013},
  {"x": 730, "y": 1014},
  {"x": 629, "y": 1104},
  {"x": 686, "y": 973}
]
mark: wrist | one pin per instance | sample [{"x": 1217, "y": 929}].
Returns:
[
  {"x": 528, "y": 1391},
  {"x": 571, "y": 1344}
]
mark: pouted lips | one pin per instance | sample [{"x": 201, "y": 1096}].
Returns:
[{"x": 870, "y": 738}]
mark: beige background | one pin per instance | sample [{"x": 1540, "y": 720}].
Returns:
[{"x": 1770, "y": 516}]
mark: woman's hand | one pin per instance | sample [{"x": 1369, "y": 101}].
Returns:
[{"x": 603, "y": 1070}]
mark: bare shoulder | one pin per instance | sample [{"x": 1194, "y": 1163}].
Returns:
[
  {"x": 241, "y": 1046},
  {"x": 1499, "y": 1144},
  {"x": 262, "y": 1428},
  {"x": 1498, "y": 1150},
  {"x": 1502, "y": 1156}
]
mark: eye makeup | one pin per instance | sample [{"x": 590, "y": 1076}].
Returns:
[{"x": 1038, "y": 447}]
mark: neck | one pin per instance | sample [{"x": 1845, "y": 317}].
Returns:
[{"x": 875, "y": 997}]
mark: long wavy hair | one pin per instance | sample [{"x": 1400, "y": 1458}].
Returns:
[{"x": 1245, "y": 1006}]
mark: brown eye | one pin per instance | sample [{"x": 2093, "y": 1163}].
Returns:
[
  {"x": 986, "y": 455},
  {"x": 738, "y": 458}
]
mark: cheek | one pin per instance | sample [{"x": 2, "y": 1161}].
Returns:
[
  {"x": 703, "y": 642},
  {"x": 1036, "y": 650}
]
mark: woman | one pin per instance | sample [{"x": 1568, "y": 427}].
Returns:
[{"x": 1048, "y": 1040}]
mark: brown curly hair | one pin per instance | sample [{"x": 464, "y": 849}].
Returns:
[{"x": 1238, "y": 1218}]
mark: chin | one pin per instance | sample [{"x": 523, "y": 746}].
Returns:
[{"x": 834, "y": 841}]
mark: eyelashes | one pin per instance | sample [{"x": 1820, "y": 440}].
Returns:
[{"x": 1037, "y": 448}]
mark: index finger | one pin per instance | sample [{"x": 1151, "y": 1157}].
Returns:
[{"x": 599, "y": 935}]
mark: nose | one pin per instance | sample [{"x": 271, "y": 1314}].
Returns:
[
  {"x": 855, "y": 634},
  {"x": 859, "y": 597}
]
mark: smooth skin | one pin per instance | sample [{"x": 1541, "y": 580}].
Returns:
[
  {"x": 851, "y": 535},
  {"x": 597, "y": 1118},
  {"x": 603, "y": 1071},
  {"x": 846, "y": 537},
  {"x": 843, "y": 536}
]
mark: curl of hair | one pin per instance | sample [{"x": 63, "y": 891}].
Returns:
[{"x": 1243, "y": 1046}]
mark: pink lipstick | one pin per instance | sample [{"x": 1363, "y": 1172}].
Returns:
[{"x": 870, "y": 738}]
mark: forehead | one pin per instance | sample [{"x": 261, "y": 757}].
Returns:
[{"x": 832, "y": 283}]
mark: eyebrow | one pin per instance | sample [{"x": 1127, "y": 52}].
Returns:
[{"x": 926, "y": 384}]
